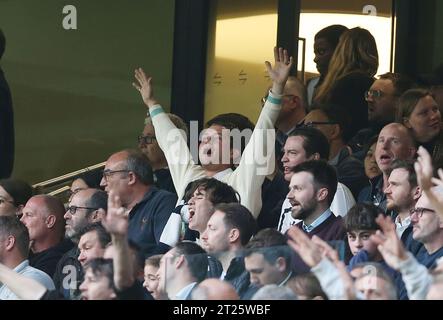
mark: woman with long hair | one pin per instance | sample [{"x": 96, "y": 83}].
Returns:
[{"x": 350, "y": 74}]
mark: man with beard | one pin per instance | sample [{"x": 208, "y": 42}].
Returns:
[
  {"x": 402, "y": 194},
  {"x": 311, "y": 190},
  {"x": 86, "y": 207}
]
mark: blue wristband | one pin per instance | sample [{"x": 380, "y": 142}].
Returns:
[
  {"x": 274, "y": 100},
  {"x": 155, "y": 112}
]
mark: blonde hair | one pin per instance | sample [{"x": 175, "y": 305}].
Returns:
[{"x": 355, "y": 52}]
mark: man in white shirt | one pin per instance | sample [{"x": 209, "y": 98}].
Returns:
[
  {"x": 14, "y": 249},
  {"x": 402, "y": 193}
]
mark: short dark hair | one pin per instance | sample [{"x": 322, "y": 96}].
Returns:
[
  {"x": 331, "y": 34},
  {"x": 138, "y": 163},
  {"x": 99, "y": 200},
  {"x": 232, "y": 121},
  {"x": 271, "y": 244},
  {"x": 102, "y": 267},
  {"x": 103, "y": 236},
  {"x": 407, "y": 165},
  {"x": 91, "y": 178},
  {"x": 217, "y": 191},
  {"x": 2, "y": 43},
  {"x": 362, "y": 217},
  {"x": 324, "y": 175},
  {"x": 11, "y": 226},
  {"x": 401, "y": 82},
  {"x": 337, "y": 114},
  {"x": 196, "y": 258},
  {"x": 314, "y": 141},
  {"x": 239, "y": 217}
]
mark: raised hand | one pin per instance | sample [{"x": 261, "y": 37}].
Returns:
[
  {"x": 117, "y": 217},
  {"x": 425, "y": 179},
  {"x": 389, "y": 244},
  {"x": 143, "y": 85},
  {"x": 280, "y": 72},
  {"x": 423, "y": 169}
]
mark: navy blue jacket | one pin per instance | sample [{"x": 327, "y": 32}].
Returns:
[{"x": 148, "y": 218}]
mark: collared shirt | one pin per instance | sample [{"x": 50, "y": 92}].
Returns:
[
  {"x": 325, "y": 215},
  {"x": 342, "y": 202},
  {"x": 285, "y": 280},
  {"x": 148, "y": 218},
  {"x": 184, "y": 293},
  {"x": 401, "y": 226},
  {"x": 29, "y": 272}
]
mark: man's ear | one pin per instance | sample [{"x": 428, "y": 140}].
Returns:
[
  {"x": 406, "y": 123},
  {"x": 50, "y": 221},
  {"x": 417, "y": 193},
  {"x": 234, "y": 235},
  {"x": 179, "y": 261},
  {"x": 295, "y": 103},
  {"x": 280, "y": 263},
  {"x": 322, "y": 194},
  {"x": 132, "y": 178},
  {"x": 97, "y": 215},
  {"x": 10, "y": 242}
]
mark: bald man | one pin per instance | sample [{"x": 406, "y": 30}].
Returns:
[
  {"x": 394, "y": 142},
  {"x": 43, "y": 216},
  {"x": 214, "y": 289}
]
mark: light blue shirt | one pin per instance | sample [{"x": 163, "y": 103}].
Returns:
[
  {"x": 184, "y": 293},
  {"x": 29, "y": 272},
  {"x": 325, "y": 215}
]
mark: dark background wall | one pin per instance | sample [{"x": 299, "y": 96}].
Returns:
[{"x": 73, "y": 99}]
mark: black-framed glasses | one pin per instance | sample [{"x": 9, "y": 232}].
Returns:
[
  {"x": 3, "y": 200},
  {"x": 73, "y": 209},
  {"x": 419, "y": 211},
  {"x": 146, "y": 139},
  {"x": 312, "y": 124},
  {"x": 108, "y": 172}
]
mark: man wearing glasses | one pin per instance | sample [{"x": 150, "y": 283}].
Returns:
[
  {"x": 382, "y": 99},
  {"x": 86, "y": 207},
  {"x": 333, "y": 122},
  {"x": 148, "y": 144},
  {"x": 427, "y": 229},
  {"x": 128, "y": 174}
]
